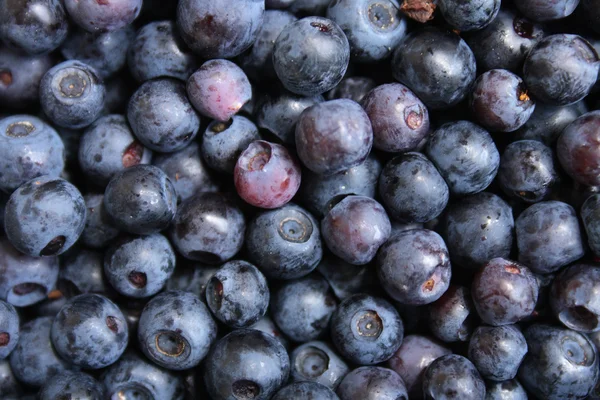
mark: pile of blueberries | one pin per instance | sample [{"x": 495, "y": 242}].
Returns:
[{"x": 299, "y": 199}]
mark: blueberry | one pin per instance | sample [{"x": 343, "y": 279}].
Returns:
[
  {"x": 279, "y": 113},
  {"x": 499, "y": 101},
  {"x": 107, "y": 147},
  {"x": 217, "y": 29},
  {"x": 573, "y": 297},
  {"x": 257, "y": 62},
  {"x": 560, "y": 364},
  {"x": 29, "y": 148},
  {"x": 219, "y": 89},
  {"x": 353, "y": 88},
  {"x": 414, "y": 267},
  {"x": 346, "y": 279},
  {"x": 373, "y": 28},
  {"x": 32, "y": 25},
  {"x": 547, "y": 122},
  {"x": 552, "y": 81},
  {"x": 82, "y": 271},
  {"x": 497, "y": 352},
  {"x": 590, "y": 211},
  {"x": 548, "y": 236},
  {"x": 9, "y": 331},
  {"x": 237, "y": 294},
  {"x": 355, "y": 228},
  {"x": 305, "y": 391},
  {"x": 59, "y": 211},
  {"x": 412, "y": 189},
  {"x": 34, "y": 361},
  {"x": 246, "y": 364},
  {"x": 141, "y": 200},
  {"x": 10, "y": 388},
  {"x": 139, "y": 266},
  {"x": 223, "y": 142},
  {"x": 372, "y": 383},
  {"x": 413, "y": 357},
  {"x": 311, "y": 56},
  {"x": 72, "y": 94},
  {"x": 74, "y": 385},
  {"x": 90, "y": 331},
  {"x": 466, "y": 156},
  {"x": 98, "y": 231},
  {"x": 452, "y": 318},
  {"x": 105, "y": 52},
  {"x": 400, "y": 120},
  {"x": 266, "y": 175},
  {"x": 302, "y": 308},
  {"x": 135, "y": 377},
  {"x": 317, "y": 362},
  {"x": 576, "y": 152},
  {"x": 506, "y": 390},
  {"x": 366, "y": 330},
  {"x": 208, "y": 227},
  {"x": 452, "y": 377},
  {"x": 158, "y": 51},
  {"x": 104, "y": 15},
  {"x": 161, "y": 116},
  {"x": 176, "y": 330},
  {"x": 527, "y": 170},
  {"x": 187, "y": 171},
  {"x": 420, "y": 62},
  {"x": 284, "y": 243},
  {"x": 469, "y": 16},
  {"x": 477, "y": 229},
  {"x": 505, "y": 42},
  {"x": 20, "y": 76},
  {"x": 547, "y": 10}
]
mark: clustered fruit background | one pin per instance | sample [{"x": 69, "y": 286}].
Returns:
[{"x": 299, "y": 199}]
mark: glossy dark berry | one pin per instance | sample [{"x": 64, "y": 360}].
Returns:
[
  {"x": 333, "y": 136},
  {"x": 590, "y": 216},
  {"x": 412, "y": 358},
  {"x": 400, "y": 120},
  {"x": 452, "y": 318},
  {"x": 9, "y": 329},
  {"x": 373, "y": 28},
  {"x": 497, "y": 352},
  {"x": 108, "y": 146},
  {"x": 576, "y": 151},
  {"x": 469, "y": 16},
  {"x": 466, "y": 156},
  {"x": 141, "y": 200},
  {"x": 317, "y": 362},
  {"x": 366, "y": 330},
  {"x": 573, "y": 297},
  {"x": 20, "y": 76},
  {"x": 29, "y": 148},
  {"x": 223, "y": 142},
  {"x": 505, "y": 390},
  {"x": 219, "y": 89},
  {"x": 284, "y": 243},
  {"x": 548, "y": 236},
  {"x": 311, "y": 56},
  {"x": 527, "y": 170},
  {"x": 452, "y": 377},
  {"x": 266, "y": 175},
  {"x": 366, "y": 382},
  {"x": 32, "y": 25},
  {"x": 72, "y": 94},
  {"x": 552, "y": 81},
  {"x": 246, "y": 364},
  {"x": 162, "y": 117},
  {"x": 238, "y": 294},
  {"x": 158, "y": 51},
  {"x": 208, "y": 227},
  {"x": 547, "y": 10},
  {"x": 59, "y": 210},
  {"x": 74, "y": 385},
  {"x": 302, "y": 308},
  {"x": 412, "y": 189},
  {"x": 215, "y": 29},
  {"x": 414, "y": 267},
  {"x": 103, "y": 15},
  {"x": 560, "y": 363},
  {"x": 420, "y": 62},
  {"x": 90, "y": 331},
  {"x": 139, "y": 266},
  {"x": 305, "y": 390},
  {"x": 176, "y": 330}
]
